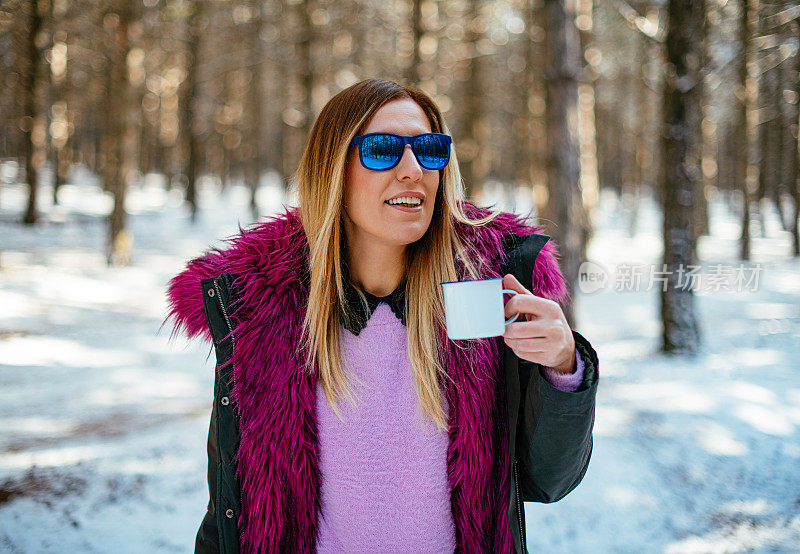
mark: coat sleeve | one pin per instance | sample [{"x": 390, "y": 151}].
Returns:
[
  {"x": 554, "y": 438},
  {"x": 554, "y": 427}
]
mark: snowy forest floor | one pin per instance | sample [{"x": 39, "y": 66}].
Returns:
[{"x": 103, "y": 421}]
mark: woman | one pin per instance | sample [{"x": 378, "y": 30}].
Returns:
[{"x": 440, "y": 441}]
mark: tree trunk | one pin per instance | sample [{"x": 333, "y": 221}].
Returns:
[
  {"x": 188, "y": 103},
  {"x": 681, "y": 143},
  {"x": 746, "y": 169},
  {"x": 701, "y": 217},
  {"x": 29, "y": 91},
  {"x": 412, "y": 71},
  {"x": 565, "y": 204},
  {"x": 254, "y": 124},
  {"x": 60, "y": 153},
  {"x": 117, "y": 154},
  {"x": 786, "y": 122},
  {"x": 794, "y": 148},
  {"x": 767, "y": 159},
  {"x": 524, "y": 143},
  {"x": 473, "y": 171},
  {"x": 305, "y": 69},
  {"x": 632, "y": 187}
]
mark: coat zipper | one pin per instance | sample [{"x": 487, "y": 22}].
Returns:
[
  {"x": 230, "y": 329},
  {"x": 519, "y": 507},
  {"x": 224, "y": 312},
  {"x": 233, "y": 346}
]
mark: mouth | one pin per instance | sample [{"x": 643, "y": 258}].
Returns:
[{"x": 406, "y": 204}]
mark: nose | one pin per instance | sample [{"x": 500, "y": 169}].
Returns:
[{"x": 409, "y": 166}]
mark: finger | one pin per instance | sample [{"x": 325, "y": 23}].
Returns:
[
  {"x": 536, "y": 344},
  {"x": 533, "y": 354},
  {"x": 511, "y": 282},
  {"x": 531, "y": 304},
  {"x": 525, "y": 330}
]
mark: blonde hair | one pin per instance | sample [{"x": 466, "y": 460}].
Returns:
[{"x": 320, "y": 182}]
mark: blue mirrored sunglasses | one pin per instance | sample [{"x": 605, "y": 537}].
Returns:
[{"x": 382, "y": 151}]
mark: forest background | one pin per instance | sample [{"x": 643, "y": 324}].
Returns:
[{"x": 657, "y": 141}]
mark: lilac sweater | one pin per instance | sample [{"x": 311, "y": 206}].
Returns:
[{"x": 383, "y": 469}]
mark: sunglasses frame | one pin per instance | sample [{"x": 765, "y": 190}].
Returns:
[{"x": 358, "y": 139}]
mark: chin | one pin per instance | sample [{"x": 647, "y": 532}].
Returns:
[
  {"x": 409, "y": 238},
  {"x": 403, "y": 233}
]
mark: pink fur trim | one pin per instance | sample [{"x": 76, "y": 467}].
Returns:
[{"x": 277, "y": 456}]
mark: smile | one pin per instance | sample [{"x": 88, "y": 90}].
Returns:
[{"x": 406, "y": 207}]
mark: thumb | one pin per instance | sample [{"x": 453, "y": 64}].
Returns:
[{"x": 511, "y": 282}]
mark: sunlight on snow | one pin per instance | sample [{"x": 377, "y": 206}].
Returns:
[
  {"x": 36, "y": 425},
  {"x": 771, "y": 421},
  {"x": 57, "y": 456},
  {"x": 717, "y": 439},
  {"x": 785, "y": 282},
  {"x": 132, "y": 384},
  {"x": 770, "y": 310},
  {"x": 51, "y": 351},
  {"x": 625, "y": 349},
  {"x": 757, "y": 356},
  {"x": 612, "y": 420},
  {"x": 758, "y": 506},
  {"x": 79, "y": 291},
  {"x": 668, "y": 396},
  {"x": 18, "y": 305},
  {"x": 750, "y": 392},
  {"x": 624, "y": 497},
  {"x": 84, "y": 198}
]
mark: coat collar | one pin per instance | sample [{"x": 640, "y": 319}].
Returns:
[
  {"x": 276, "y": 462},
  {"x": 395, "y": 300}
]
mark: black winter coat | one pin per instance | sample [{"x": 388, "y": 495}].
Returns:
[{"x": 550, "y": 430}]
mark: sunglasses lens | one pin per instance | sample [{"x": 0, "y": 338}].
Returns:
[
  {"x": 433, "y": 151},
  {"x": 380, "y": 151}
]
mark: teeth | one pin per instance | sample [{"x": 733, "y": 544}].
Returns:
[{"x": 405, "y": 200}]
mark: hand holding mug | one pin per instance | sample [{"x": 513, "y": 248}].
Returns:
[{"x": 542, "y": 335}]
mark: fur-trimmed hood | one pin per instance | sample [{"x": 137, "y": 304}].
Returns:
[{"x": 276, "y": 462}]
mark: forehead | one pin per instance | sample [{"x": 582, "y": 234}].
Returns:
[{"x": 402, "y": 117}]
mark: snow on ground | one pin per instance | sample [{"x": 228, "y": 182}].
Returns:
[{"x": 103, "y": 420}]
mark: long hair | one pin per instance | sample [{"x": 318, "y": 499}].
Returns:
[{"x": 320, "y": 182}]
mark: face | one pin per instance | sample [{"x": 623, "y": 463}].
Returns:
[{"x": 368, "y": 218}]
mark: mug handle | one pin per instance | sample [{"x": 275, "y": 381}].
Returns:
[{"x": 516, "y": 315}]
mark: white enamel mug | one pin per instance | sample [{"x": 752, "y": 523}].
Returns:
[{"x": 475, "y": 309}]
